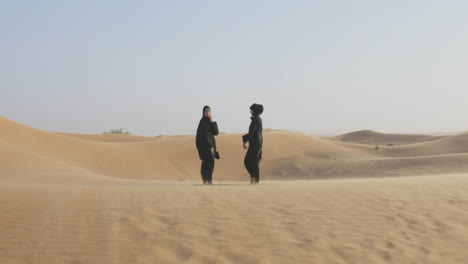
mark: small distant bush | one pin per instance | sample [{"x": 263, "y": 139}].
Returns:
[{"x": 116, "y": 131}]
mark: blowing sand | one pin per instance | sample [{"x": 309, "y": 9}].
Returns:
[
  {"x": 68, "y": 198},
  {"x": 404, "y": 220}
]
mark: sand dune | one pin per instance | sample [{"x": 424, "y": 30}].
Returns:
[
  {"x": 376, "y": 138},
  {"x": 114, "y": 138},
  {"x": 446, "y": 145},
  {"x": 71, "y": 198},
  {"x": 287, "y": 155}
]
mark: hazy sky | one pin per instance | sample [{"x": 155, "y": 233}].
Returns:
[{"x": 318, "y": 67}]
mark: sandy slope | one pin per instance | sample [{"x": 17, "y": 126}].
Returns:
[
  {"x": 389, "y": 220},
  {"x": 286, "y": 155},
  {"x": 376, "y": 138},
  {"x": 70, "y": 198},
  {"x": 118, "y": 138}
]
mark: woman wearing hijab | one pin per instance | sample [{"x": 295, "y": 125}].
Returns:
[
  {"x": 206, "y": 144},
  {"x": 255, "y": 139}
]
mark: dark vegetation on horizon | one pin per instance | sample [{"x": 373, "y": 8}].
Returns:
[{"x": 116, "y": 131}]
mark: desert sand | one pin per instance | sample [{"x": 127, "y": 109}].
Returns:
[{"x": 72, "y": 198}]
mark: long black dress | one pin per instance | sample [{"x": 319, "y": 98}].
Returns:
[
  {"x": 254, "y": 153},
  {"x": 206, "y": 143}
]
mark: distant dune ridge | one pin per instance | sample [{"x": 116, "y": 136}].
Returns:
[
  {"x": 287, "y": 155},
  {"x": 92, "y": 199},
  {"x": 373, "y": 137}
]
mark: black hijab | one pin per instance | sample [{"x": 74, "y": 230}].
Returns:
[
  {"x": 204, "y": 118},
  {"x": 257, "y": 109}
]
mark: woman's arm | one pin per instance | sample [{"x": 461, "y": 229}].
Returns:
[
  {"x": 214, "y": 128},
  {"x": 252, "y": 129}
]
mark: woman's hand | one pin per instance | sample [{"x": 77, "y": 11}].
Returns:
[{"x": 244, "y": 146}]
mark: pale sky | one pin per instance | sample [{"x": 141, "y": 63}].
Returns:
[{"x": 319, "y": 67}]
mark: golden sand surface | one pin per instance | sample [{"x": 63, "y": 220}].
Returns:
[{"x": 71, "y": 198}]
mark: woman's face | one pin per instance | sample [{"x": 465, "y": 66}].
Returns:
[
  {"x": 207, "y": 112},
  {"x": 251, "y": 111}
]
